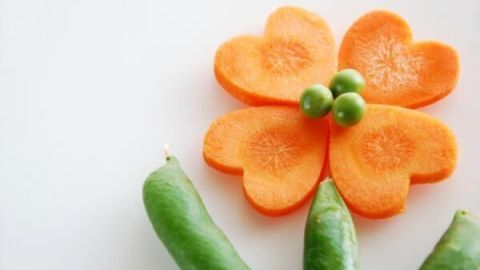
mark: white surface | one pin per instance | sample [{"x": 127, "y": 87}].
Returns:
[{"x": 90, "y": 91}]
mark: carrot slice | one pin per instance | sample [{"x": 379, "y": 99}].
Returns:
[
  {"x": 297, "y": 50},
  {"x": 374, "y": 162},
  {"x": 397, "y": 70},
  {"x": 279, "y": 152}
]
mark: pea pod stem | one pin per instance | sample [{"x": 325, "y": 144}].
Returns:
[
  {"x": 182, "y": 222},
  {"x": 330, "y": 241},
  {"x": 459, "y": 247}
]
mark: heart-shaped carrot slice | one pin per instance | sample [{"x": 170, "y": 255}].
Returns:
[
  {"x": 297, "y": 50},
  {"x": 397, "y": 70},
  {"x": 279, "y": 152},
  {"x": 374, "y": 162}
]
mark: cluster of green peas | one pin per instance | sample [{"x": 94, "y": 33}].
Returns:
[{"x": 343, "y": 98}]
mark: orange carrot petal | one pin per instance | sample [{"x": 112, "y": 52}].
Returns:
[
  {"x": 279, "y": 152},
  {"x": 374, "y": 162},
  {"x": 397, "y": 70},
  {"x": 297, "y": 50}
]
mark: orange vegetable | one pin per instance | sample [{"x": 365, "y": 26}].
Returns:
[
  {"x": 397, "y": 70},
  {"x": 297, "y": 50},
  {"x": 374, "y": 162},
  {"x": 279, "y": 152}
]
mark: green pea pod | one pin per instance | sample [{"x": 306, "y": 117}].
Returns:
[
  {"x": 330, "y": 241},
  {"x": 183, "y": 224},
  {"x": 459, "y": 247}
]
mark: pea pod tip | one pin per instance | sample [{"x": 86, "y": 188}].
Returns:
[{"x": 166, "y": 151}]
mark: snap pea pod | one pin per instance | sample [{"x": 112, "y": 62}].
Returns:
[
  {"x": 459, "y": 247},
  {"x": 183, "y": 224},
  {"x": 330, "y": 241}
]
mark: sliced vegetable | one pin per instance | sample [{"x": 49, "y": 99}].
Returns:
[
  {"x": 459, "y": 247},
  {"x": 347, "y": 80},
  {"x": 374, "y": 162},
  {"x": 348, "y": 109},
  {"x": 279, "y": 152},
  {"x": 183, "y": 224},
  {"x": 330, "y": 240},
  {"x": 296, "y": 51},
  {"x": 397, "y": 70},
  {"x": 316, "y": 101}
]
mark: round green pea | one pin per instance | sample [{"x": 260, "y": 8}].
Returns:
[
  {"x": 348, "y": 109},
  {"x": 316, "y": 101},
  {"x": 347, "y": 80}
]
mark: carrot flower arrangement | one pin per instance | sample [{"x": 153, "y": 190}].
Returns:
[{"x": 281, "y": 153}]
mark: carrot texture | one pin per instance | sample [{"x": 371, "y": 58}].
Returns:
[
  {"x": 374, "y": 162},
  {"x": 397, "y": 70},
  {"x": 279, "y": 152},
  {"x": 296, "y": 50}
]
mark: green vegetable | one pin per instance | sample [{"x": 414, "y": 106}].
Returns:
[
  {"x": 459, "y": 247},
  {"x": 348, "y": 109},
  {"x": 183, "y": 224},
  {"x": 347, "y": 80},
  {"x": 330, "y": 242},
  {"x": 316, "y": 101}
]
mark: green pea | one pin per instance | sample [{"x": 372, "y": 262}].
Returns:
[
  {"x": 330, "y": 242},
  {"x": 348, "y": 109},
  {"x": 459, "y": 247},
  {"x": 316, "y": 101},
  {"x": 347, "y": 80},
  {"x": 183, "y": 224}
]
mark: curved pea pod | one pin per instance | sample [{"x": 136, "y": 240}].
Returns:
[
  {"x": 181, "y": 221},
  {"x": 459, "y": 247},
  {"x": 330, "y": 242}
]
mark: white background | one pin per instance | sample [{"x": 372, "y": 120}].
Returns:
[{"x": 90, "y": 91}]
